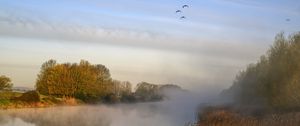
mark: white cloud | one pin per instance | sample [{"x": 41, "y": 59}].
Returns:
[{"x": 205, "y": 58}]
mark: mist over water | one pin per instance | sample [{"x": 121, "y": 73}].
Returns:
[{"x": 175, "y": 112}]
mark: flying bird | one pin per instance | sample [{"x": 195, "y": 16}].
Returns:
[
  {"x": 185, "y": 6},
  {"x": 178, "y": 11},
  {"x": 182, "y": 17},
  {"x": 287, "y": 19}
]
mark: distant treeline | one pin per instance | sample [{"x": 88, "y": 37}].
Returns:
[
  {"x": 274, "y": 81},
  {"x": 92, "y": 83}
]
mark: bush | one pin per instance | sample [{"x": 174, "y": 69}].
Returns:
[
  {"x": 111, "y": 98},
  {"x": 128, "y": 98},
  {"x": 51, "y": 99},
  {"x": 30, "y": 96}
]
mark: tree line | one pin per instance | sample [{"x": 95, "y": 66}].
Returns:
[
  {"x": 274, "y": 81},
  {"x": 91, "y": 83},
  {"x": 82, "y": 80}
]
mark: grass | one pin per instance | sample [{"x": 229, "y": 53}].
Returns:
[
  {"x": 4, "y": 102},
  {"x": 4, "y": 95},
  {"x": 6, "y": 98},
  {"x": 226, "y": 117},
  {"x": 11, "y": 100}
]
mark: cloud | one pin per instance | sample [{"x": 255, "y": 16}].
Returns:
[
  {"x": 19, "y": 66},
  {"x": 279, "y": 7},
  {"x": 252, "y": 3},
  {"x": 22, "y": 27},
  {"x": 40, "y": 29},
  {"x": 205, "y": 62},
  {"x": 208, "y": 53}
]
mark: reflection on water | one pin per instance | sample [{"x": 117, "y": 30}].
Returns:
[
  {"x": 14, "y": 122},
  {"x": 144, "y": 114}
]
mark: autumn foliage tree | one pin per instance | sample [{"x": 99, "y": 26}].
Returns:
[
  {"x": 93, "y": 83},
  {"x": 84, "y": 80}
]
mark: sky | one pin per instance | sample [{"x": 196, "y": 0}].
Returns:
[{"x": 143, "y": 40}]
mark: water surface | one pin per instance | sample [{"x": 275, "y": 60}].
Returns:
[{"x": 141, "y": 114}]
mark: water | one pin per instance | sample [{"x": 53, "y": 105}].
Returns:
[
  {"x": 142, "y": 114},
  {"x": 178, "y": 111}
]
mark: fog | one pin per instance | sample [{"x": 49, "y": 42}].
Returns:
[{"x": 174, "y": 112}]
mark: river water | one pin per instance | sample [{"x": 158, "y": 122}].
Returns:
[
  {"x": 141, "y": 114},
  {"x": 176, "y": 112}
]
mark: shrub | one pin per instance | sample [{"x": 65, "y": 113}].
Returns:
[{"x": 30, "y": 96}]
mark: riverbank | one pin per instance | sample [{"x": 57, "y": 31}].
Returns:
[
  {"x": 221, "y": 116},
  {"x": 6, "y": 104},
  {"x": 16, "y": 100}
]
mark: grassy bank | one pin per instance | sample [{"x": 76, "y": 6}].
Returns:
[
  {"x": 12, "y": 100},
  {"x": 216, "y": 116}
]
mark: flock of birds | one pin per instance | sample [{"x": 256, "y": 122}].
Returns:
[
  {"x": 183, "y": 7},
  {"x": 180, "y": 11}
]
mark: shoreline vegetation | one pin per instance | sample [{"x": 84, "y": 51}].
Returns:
[
  {"x": 33, "y": 99},
  {"x": 228, "y": 116},
  {"x": 78, "y": 84},
  {"x": 267, "y": 93}
]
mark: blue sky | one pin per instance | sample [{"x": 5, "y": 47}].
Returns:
[{"x": 142, "y": 40}]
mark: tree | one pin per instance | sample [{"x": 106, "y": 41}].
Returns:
[
  {"x": 84, "y": 80},
  {"x": 44, "y": 78},
  {"x": 274, "y": 80},
  {"x": 121, "y": 88},
  {"x": 147, "y": 92},
  {"x": 5, "y": 83}
]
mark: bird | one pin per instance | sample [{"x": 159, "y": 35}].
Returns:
[
  {"x": 178, "y": 11},
  {"x": 185, "y": 6},
  {"x": 182, "y": 17},
  {"x": 287, "y": 19}
]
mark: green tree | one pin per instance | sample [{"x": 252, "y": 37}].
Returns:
[
  {"x": 147, "y": 92},
  {"x": 274, "y": 80},
  {"x": 5, "y": 83}
]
